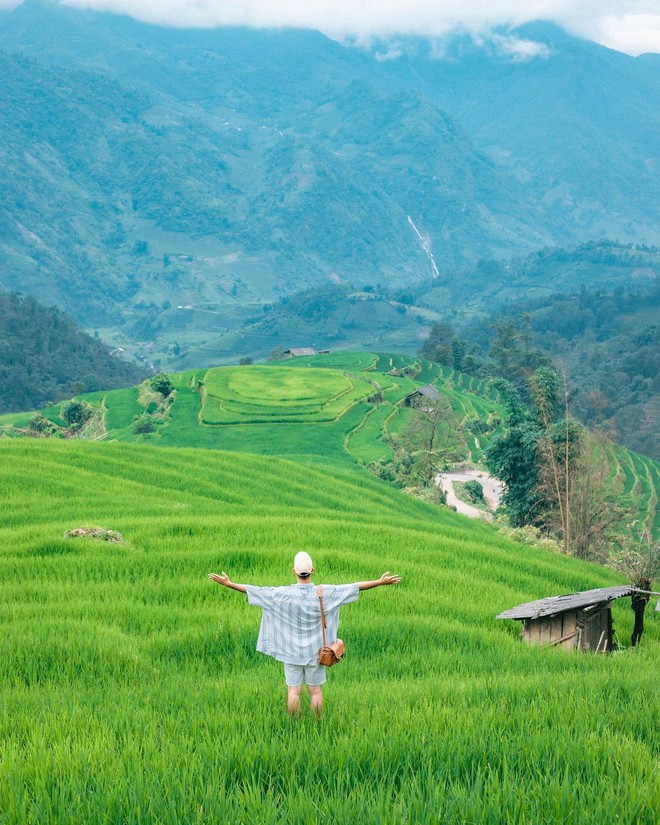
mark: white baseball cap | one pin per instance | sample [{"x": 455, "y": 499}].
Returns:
[{"x": 302, "y": 564}]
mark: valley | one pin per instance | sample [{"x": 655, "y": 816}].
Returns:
[{"x": 263, "y": 291}]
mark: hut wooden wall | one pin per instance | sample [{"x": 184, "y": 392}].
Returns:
[
  {"x": 590, "y": 630},
  {"x": 596, "y": 629},
  {"x": 558, "y": 630}
]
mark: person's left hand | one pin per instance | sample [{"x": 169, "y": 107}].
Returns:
[
  {"x": 223, "y": 578},
  {"x": 387, "y": 579}
]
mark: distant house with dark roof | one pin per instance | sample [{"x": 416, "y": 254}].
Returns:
[
  {"x": 427, "y": 392},
  {"x": 581, "y": 621},
  {"x": 297, "y": 352}
]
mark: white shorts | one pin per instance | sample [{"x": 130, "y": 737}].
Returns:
[{"x": 295, "y": 675}]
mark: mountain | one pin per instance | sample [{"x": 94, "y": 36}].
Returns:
[
  {"x": 98, "y": 183},
  {"x": 578, "y": 123},
  {"x": 150, "y": 169},
  {"x": 337, "y": 316},
  {"x": 608, "y": 344},
  {"x": 45, "y": 357},
  {"x": 493, "y": 284}
]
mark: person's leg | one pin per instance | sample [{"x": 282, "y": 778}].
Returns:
[
  {"x": 293, "y": 675},
  {"x": 293, "y": 699},
  {"x": 316, "y": 699},
  {"x": 315, "y": 679}
]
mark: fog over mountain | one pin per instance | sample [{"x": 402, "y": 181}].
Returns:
[{"x": 631, "y": 26}]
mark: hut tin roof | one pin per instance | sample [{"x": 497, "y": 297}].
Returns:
[
  {"x": 298, "y": 351},
  {"x": 427, "y": 390},
  {"x": 572, "y": 601}
]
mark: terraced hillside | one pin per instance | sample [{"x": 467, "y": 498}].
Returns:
[
  {"x": 263, "y": 395},
  {"x": 302, "y": 405},
  {"x": 637, "y": 478},
  {"x": 131, "y": 690},
  {"x": 337, "y": 407}
]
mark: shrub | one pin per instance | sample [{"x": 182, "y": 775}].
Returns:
[
  {"x": 474, "y": 489},
  {"x": 144, "y": 427},
  {"x": 476, "y": 426},
  {"x": 76, "y": 413},
  {"x": 161, "y": 383},
  {"x": 41, "y": 425},
  {"x": 530, "y": 535}
]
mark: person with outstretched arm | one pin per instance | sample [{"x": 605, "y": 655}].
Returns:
[{"x": 291, "y": 625}]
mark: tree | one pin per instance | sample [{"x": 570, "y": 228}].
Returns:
[
  {"x": 162, "y": 383},
  {"x": 596, "y": 515},
  {"x": 554, "y": 471},
  {"x": 76, "y": 413},
  {"x": 41, "y": 425},
  {"x": 437, "y": 346},
  {"x": 458, "y": 348},
  {"x": 512, "y": 354},
  {"x": 422, "y": 432},
  {"x": 558, "y": 447},
  {"x": 475, "y": 491},
  {"x": 535, "y": 456},
  {"x": 513, "y": 458},
  {"x": 638, "y": 558},
  {"x": 444, "y": 347},
  {"x": 425, "y": 442}
]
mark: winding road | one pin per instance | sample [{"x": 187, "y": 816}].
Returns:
[{"x": 492, "y": 491}]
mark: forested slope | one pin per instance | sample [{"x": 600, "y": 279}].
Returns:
[{"x": 45, "y": 356}]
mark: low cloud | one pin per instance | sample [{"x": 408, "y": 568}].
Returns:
[
  {"x": 520, "y": 50},
  {"x": 632, "y": 33},
  {"x": 628, "y": 25},
  {"x": 392, "y": 53}
]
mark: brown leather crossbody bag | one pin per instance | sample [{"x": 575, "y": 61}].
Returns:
[{"x": 329, "y": 654}]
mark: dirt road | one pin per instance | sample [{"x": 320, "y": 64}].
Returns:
[{"x": 492, "y": 491}]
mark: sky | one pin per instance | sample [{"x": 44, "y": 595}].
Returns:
[{"x": 631, "y": 26}]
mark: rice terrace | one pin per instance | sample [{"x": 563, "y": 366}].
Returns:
[{"x": 131, "y": 688}]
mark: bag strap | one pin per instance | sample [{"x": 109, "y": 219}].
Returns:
[{"x": 319, "y": 593}]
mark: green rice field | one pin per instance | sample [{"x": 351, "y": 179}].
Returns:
[
  {"x": 131, "y": 692},
  {"x": 130, "y": 689},
  {"x": 323, "y": 406},
  {"x": 235, "y": 395}
]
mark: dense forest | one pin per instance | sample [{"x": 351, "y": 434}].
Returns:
[
  {"x": 607, "y": 342},
  {"x": 45, "y": 357}
]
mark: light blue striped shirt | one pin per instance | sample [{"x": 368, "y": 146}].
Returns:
[{"x": 291, "y": 620}]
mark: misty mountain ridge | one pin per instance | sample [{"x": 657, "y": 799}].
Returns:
[{"x": 149, "y": 168}]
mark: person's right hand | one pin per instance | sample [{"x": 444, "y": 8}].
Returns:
[
  {"x": 223, "y": 578},
  {"x": 387, "y": 579}
]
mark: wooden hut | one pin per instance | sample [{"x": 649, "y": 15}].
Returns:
[
  {"x": 298, "y": 352},
  {"x": 581, "y": 621},
  {"x": 421, "y": 394}
]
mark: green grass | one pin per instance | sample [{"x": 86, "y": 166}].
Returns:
[
  {"x": 638, "y": 480},
  {"x": 130, "y": 690},
  {"x": 317, "y": 407},
  {"x": 368, "y": 441},
  {"x": 429, "y": 371},
  {"x": 262, "y": 394},
  {"x": 349, "y": 361}
]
